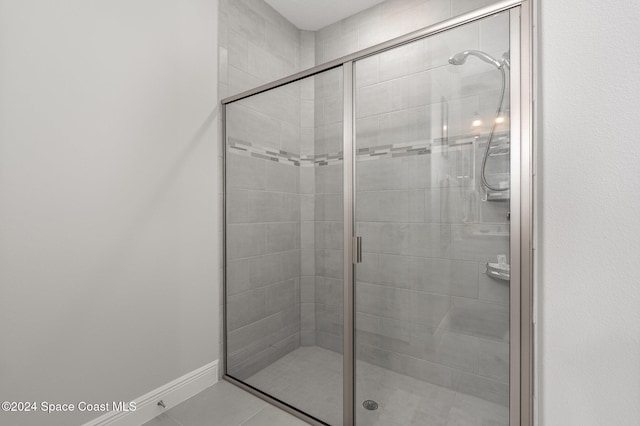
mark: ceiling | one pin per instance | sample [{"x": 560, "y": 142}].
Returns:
[{"x": 311, "y": 15}]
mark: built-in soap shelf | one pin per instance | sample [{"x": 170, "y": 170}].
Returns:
[
  {"x": 498, "y": 196},
  {"x": 498, "y": 271},
  {"x": 499, "y": 150},
  {"x": 498, "y": 234}
]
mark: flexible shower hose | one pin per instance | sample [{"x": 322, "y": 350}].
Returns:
[{"x": 493, "y": 128}]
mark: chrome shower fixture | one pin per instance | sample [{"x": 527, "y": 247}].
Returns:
[
  {"x": 501, "y": 64},
  {"x": 461, "y": 58}
]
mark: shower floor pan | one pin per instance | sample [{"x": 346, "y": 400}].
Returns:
[{"x": 310, "y": 378}]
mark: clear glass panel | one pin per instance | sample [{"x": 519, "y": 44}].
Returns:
[
  {"x": 285, "y": 243},
  {"x": 432, "y": 292}
]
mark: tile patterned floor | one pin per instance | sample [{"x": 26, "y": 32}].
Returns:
[
  {"x": 224, "y": 404},
  {"x": 310, "y": 378}
]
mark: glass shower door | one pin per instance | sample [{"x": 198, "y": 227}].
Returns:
[
  {"x": 284, "y": 244},
  {"x": 432, "y": 208}
]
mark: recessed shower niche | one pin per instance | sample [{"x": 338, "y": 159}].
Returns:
[{"x": 373, "y": 236}]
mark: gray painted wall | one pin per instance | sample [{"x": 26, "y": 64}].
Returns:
[{"x": 108, "y": 235}]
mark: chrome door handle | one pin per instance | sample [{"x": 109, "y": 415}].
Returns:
[{"x": 357, "y": 250}]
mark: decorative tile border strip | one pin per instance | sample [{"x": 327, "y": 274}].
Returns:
[
  {"x": 241, "y": 147},
  {"x": 405, "y": 149}
]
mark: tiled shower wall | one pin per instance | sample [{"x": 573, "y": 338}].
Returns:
[
  {"x": 425, "y": 307},
  {"x": 258, "y": 45},
  {"x": 387, "y": 20},
  {"x": 329, "y": 252}
]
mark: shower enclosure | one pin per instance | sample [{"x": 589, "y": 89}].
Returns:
[{"x": 377, "y": 231}]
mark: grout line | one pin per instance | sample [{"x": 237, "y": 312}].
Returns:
[
  {"x": 251, "y": 416},
  {"x": 244, "y": 422},
  {"x": 174, "y": 419}
]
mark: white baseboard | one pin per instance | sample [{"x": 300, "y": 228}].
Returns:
[{"x": 172, "y": 394}]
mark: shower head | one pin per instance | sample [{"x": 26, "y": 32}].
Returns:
[{"x": 461, "y": 58}]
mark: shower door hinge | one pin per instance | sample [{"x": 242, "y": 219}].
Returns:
[{"x": 357, "y": 250}]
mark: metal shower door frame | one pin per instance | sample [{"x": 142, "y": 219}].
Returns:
[{"x": 521, "y": 225}]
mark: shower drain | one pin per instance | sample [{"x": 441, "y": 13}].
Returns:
[{"x": 370, "y": 404}]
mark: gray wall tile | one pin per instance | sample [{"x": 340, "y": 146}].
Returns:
[
  {"x": 367, "y": 70},
  {"x": 329, "y": 341},
  {"x": 281, "y": 177},
  {"x": 307, "y": 235},
  {"x": 368, "y": 271},
  {"x": 477, "y": 318},
  {"x": 328, "y": 207},
  {"x": 330, "y": 291},
  {"x": 393, "y": 206},
  {"x": 244, "y": 336},
  {"x": 428, "y": 308},
  {"x": 380, "y": 326},
  {"x": 264, "y": 64},
  {"x": 237, "y": 206},
  {"x": 266, "y": 269},
  {"x": 308, "y": 338},
  {"x": 414, "y": 367},
  {"x": 368, "y": 133},
  {"x": 245, "y": 308},
  {"x": 402, "y": 61},
  {"x": 329, "y": 235},
  {"x": 245, "y": 240},
  {"x": 239, "y": 81},
  {"x": 238, "y": 276},
  {"x": 280, "y": 296},
  {"x": 238, "y": 55},
  {"x": 328, "y": 178},
  {"x": 481, "y": 387},
  {"x": 308, "y": 262},
  {"x": 265, "y": 206},
  {"x": 308, "y": 316},
  {"x": 430, "y": 240},
  {"x": 383, "y": 301},
  {"x": 464, "y": 279},
  {"x": 376, "y": 175},
  {"x": 329, "y": 319},
  {"x": 395, "y": 238},
  {"x": 336, "y": 47},
  {"x": 291, "y": 264},
  {"x": 458, "y": 351},
  {"x": 282, "y": 236},
  {"x": 283, "y": 41},
  {"x": 491, "y": 289},
  {"x": 481, "y": 243},
  {"x": 266, "y": 357},
  {"x": 307, "y": 289},
  {"x": 245, "y": 172},
  {"x": 395, "y": 271},
  {"x": 291, "y": 207},
  {"x": 439, "y": 48},
  {"x": 431, "y": 275},
  {"x": 494, "y": 360},
  {"x": 245, "y": 21},
  {"x": 371, "y": 233},
  {"x": 329, "y": 263}
]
